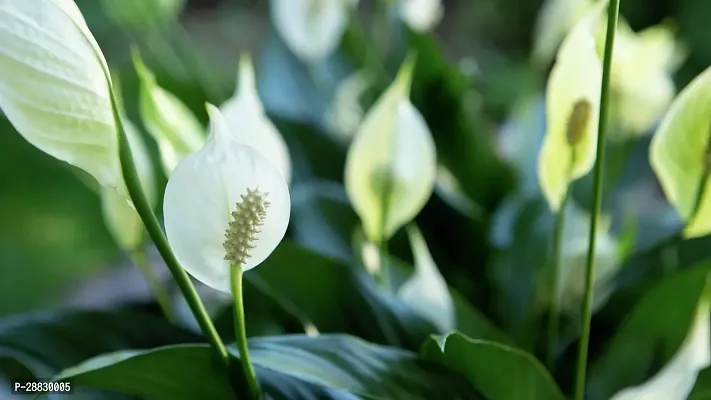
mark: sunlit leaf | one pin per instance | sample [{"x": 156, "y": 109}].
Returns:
[{"x": 680, "y": 157}]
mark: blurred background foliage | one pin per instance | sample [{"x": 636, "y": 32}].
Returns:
[{"x": 475, "y": 86}]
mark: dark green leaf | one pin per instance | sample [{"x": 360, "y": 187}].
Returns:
[
  {"x": 702, "y": 389},
  {"x": 289, "y": 367},
  {"x": 651, "y": 335},
  {"x": 497, "y": 371}
]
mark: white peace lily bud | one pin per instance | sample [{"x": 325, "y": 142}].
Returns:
[
  {"x": 54, "y": 86},
  {"x": 676, "y": 380},
  {"x": 391, "y": 163},
  {"x": 421, "y": 15},
  {"x": 120, "y": 216},
  {"x": 171, "y": 124},
  {"x": 249, "y": 124},
  {"x": 641, "y": 81},
  {"x": 312, "y": 29},
  {"x": 572, "y": 108},
  {"x": 555, "y": 19},
  {"x": 426, "y": 291},
  {"x": 224, "y": 205}
]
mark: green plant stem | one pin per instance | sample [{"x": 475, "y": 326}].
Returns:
[
  {"x": 586, "y": 314},
  {"x": 241, "y": 332},
  {"x": 145, "y": 211},
  {"x": 382, "y": 276},
  {"x": 554, "y": 317},
  {"x": 159, "y": 292}
]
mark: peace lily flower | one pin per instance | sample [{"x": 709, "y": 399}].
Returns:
[
  {"x": 249, "y": 124},
  {"x": 120, "y": 216},
  {"x": 345, "y": 112},
  {"x": 555, "y": 19},
  {"x": 171, "y": 124},
  {"x": 421, "y": 15},
  {"x": 641, "y": 81},
  {"x": 391, "y": 164},
  {"x": 224, "y": 205},
  {"x": 676, "y": 380},
  {"x": 54, "y": 86},
  {"x": 312, "y": 29},
  {"x": 572, "y": 104},
  {"x": 427, "y": 291}
]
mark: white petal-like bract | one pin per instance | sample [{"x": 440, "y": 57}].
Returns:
[
  {"x": 204, "y": 190},
  {"x": 391, "y": 164},
  {"x": 54, "y": 86},
  {"x": 249, "y": 124},
  {"x": 427, "y": 291},
  {"x": 572, "y": 108},
  {"x": 312, "y": 29}
]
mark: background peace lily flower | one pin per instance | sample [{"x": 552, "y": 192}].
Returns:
[
  {"x": 641, "y": 80},
  {"x": 203, "y": 192},
  {"x": 555, "y": 19},
  {"x": 391, "y": 164},
  {"x": 173, "y": 126},
  {"x": 122, "y": 219},
  {"x": 312, "y": 29},
  {"x": 249, "y": 124},
  {"x": 63, "y": 110},
  {"x": 345, "y": 112},
  {"x": 572, "y": 106},
  {"x": 421, "y": 15}
]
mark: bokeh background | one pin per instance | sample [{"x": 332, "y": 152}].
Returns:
[{"x": 56, "y": 251}]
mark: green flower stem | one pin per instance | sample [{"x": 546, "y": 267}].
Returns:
[
  {"x": 586, "y": 314},
  {"x": 554, "y": 317},
  {"x": 143, "y": 207},
  {"x": 159, "y": 292},
  {"x": 241, "y": 332},
  {"x": 382, "y": 276}
]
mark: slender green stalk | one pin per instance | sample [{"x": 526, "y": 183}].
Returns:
[
  {"x": 143, "y": 207},
  {"x": 159, "y": 292},
  {"x": 383, "y": 276},
  {"x": 586, "y": 314},
  {"x": 241, "y": 333},
  {"x": 554, "y": 317}
]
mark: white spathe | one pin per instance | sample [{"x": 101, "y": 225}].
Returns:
[
  {"x": 203, "y": 191},
  {"x": 249, "y": 124},
  {"x": 391, "y": 164},
  {"x": 54, "y": 86},
  {"x": 312, "y": 29},
  {"x": 421, "y": 15}
]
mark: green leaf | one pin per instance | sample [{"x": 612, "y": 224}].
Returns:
[
  {"x": 651, "y": 335},
  {"x": 48, "y": 342},
  {"x": 702, "y": 389},
  {"x": 679, "y": 154},
  {"x": 292, "y": 367},
  {"x": 336, "y": 297},
  {"x": 142, "y": 15},
  {"x": 497, "y": 371}
]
